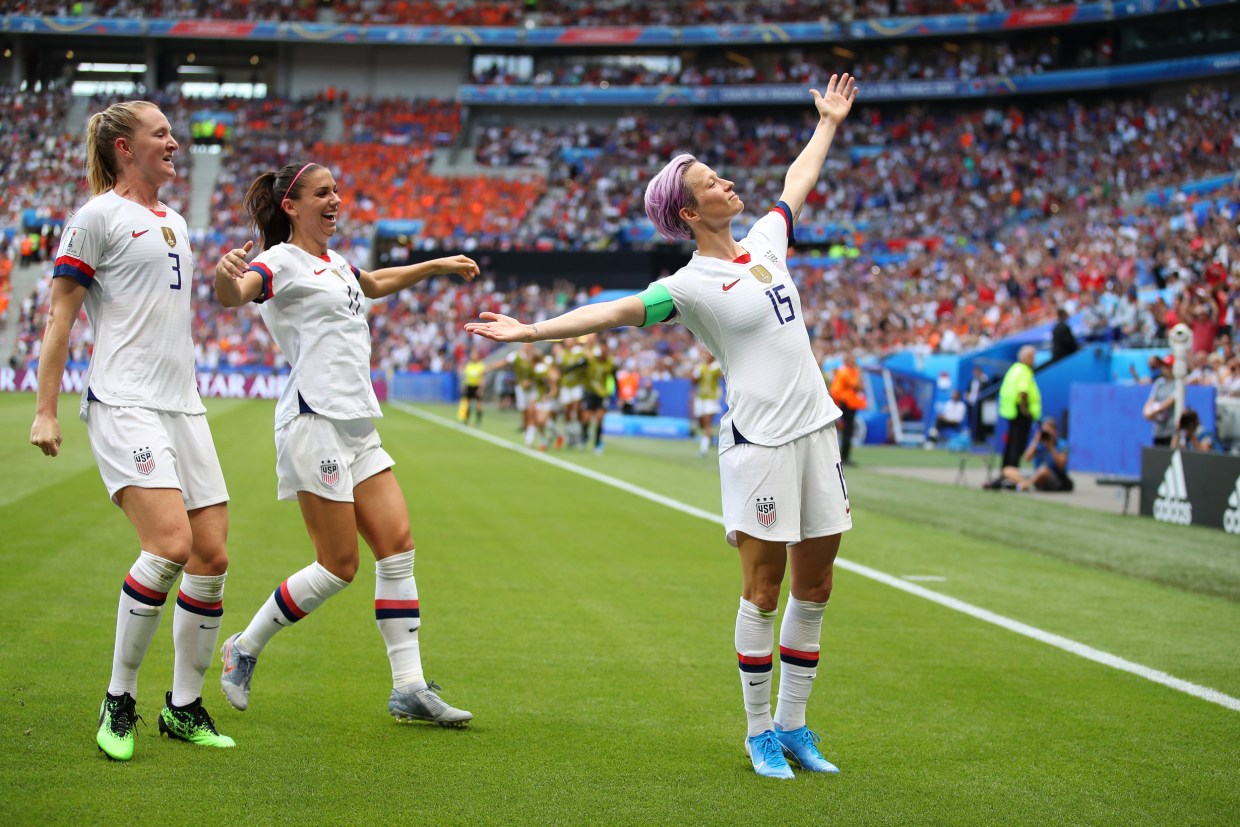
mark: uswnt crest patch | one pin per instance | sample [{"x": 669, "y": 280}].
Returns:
[
  {"x": 766, "y": 511},
  {"x": 169, "y": 236},
  {"x": 144, "y": 461},
  {"x": 329, "y": 472},
  {"x": 761, "y": 274}
]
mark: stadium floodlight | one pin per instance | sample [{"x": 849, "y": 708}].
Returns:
[
  {"x": 196, "y": 70},
  {"x": 112, "y": 67}
]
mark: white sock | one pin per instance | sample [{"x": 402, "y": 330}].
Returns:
[
  {"x": 195, "y": 629},
  {"x": 398, "y": 616},
  {"x": 799, "y": 641},
  {"x": 296, "y": 597},
  {"x": 704, "y": 444},
  {"x": 755, "y": 642},
  {"x": 529, "y": 436},
  {"x": 142, "y": 604}
]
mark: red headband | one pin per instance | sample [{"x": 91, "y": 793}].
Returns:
[{"x": 294, "y": 181}]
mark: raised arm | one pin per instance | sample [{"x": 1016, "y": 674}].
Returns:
[
  {"x": 833, "y": 107},
  {"x": 379, "y": 283},
  {"x": 63, "y": 309},
  {"x": 590, "y": 318}
]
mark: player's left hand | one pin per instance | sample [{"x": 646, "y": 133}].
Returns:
[
  {"x": 463, "y": 266},
  {"x": 499, "y": 328},
  {"x": 837, "y": 101}
]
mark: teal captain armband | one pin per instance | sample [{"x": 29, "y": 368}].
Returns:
[{"x": 659, "y": 304}]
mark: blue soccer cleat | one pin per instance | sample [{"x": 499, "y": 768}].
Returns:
[
  {"x": 767, "y": 756},
  {"x": 801, "y": 745}
]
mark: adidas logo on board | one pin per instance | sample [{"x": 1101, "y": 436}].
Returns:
[{"x": 1171, "y": 504}]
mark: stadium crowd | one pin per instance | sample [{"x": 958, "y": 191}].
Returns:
[
  {"x": 533, "y": 12},
  {"x": 947, "y": 229}
]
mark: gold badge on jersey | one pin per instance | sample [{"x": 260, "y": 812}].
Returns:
[
  {"x": 169, "y": 236},
  {"x": 761, "y": 273}
]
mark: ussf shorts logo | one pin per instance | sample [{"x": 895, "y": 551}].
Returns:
[
  {"x": 144, "y": 460},
  {"x": 766, "y": 511},
  {"x": 329, "y": 472}
]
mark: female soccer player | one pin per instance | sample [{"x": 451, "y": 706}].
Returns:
[
  {"x": 328, "y": 454},
  {"x": 784, "y": 498},
  {"x": 127, "y": 257}
]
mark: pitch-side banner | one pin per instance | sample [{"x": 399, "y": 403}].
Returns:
[
  {"x": 1191, "y": 488},
  {"x": 211, "y": 384}
]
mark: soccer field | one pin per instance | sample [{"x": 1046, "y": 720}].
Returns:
[{"x": 586, "y": 620}]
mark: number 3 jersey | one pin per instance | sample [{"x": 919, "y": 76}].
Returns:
[
  {"x": 315, "y": 310},
  {"x": 748, "y": 314},
  {"x": 139, "y": 273}
]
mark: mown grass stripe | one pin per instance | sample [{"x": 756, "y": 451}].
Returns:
[{"x": 1073, "y": 647}]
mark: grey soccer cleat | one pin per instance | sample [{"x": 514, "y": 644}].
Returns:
[
  {"x": 425, "y": 705},
  {"x": 238, "y": 669}
]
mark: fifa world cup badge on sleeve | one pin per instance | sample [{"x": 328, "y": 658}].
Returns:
[
  {"x": 329, "y": 472},
  {"x": 73, "y": 242},
  {"x": 766, "y": 511},
  {"x": 144, "y": 460}
]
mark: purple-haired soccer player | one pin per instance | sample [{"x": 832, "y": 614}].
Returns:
[{"x": 784, "y": 497}]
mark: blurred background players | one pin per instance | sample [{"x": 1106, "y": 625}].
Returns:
[
  {"x": 706, "y": 378},
  {"x": 472, "y": 375},
  {"x": 600, "y": 374},
  {"x": 848, "y": 391},
  {"x": 572, "y": 368}
]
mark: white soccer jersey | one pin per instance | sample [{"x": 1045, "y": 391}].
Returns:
[
  {"x": 316, "y": 312},
  {"x": 139, "y": 273},
  {"x": 748, "y": 314}
]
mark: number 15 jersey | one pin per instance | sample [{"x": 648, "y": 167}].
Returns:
[
  {"x": 748, "y": 314},
  {"x": 139, "y": 273}
]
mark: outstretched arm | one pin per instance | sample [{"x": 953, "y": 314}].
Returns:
[
  {"x": 588, "y": 319},
  {"x": 833, "y": 107},
  {"x": 379, "y": 283}
]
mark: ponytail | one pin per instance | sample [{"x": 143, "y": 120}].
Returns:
[
  {"x": 120, "y": 120},
  {"x": 264, "y": 201}
]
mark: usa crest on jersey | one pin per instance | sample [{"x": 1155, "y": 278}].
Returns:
[
  {"x": 144, "y": 460},
  {"x": 329, "y": 472},
  {"x": 766, "y": 511}
]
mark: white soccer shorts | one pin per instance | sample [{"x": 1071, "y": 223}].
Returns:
[
  {"x": 786, "y": 494},
  {"x": 327, "y": 457},
  {"x": 569, "y": 395},
  {"x": 705, "y": 407},
  {"x": 156, "y": 449}
]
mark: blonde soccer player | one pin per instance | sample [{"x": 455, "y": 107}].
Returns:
[
  {"x": 785, "y": 504},
  {"x": 126, "y": 256}
]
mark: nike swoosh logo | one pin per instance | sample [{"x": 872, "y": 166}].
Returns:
[
  {"x": 200, "y": 626},
  {"x": 728, "y": 287},
  {"x": 135, "y": 233},
  {"x": 320, "y": 272},
  {"x": 758, "y": 683},
  {"x": 143, "y": 614}
]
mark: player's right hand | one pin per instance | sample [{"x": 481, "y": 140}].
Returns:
[
  {"x": 233, "y": 264},
  {"x": 45, "y": 435}
]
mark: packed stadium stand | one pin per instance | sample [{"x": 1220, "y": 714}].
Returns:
[{"x": 992, "y": 173}]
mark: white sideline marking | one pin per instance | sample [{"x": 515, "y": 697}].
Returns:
[
  {"x": 1205, "y": 693},
  {"x": 924, "y": 578}
]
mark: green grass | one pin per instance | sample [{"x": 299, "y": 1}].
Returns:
[{"x": 590, "y": 631}]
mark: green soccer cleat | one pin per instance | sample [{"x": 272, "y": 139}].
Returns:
[
  {"x": 117, "y": 718},
  {"x": 191, "y": 723}
]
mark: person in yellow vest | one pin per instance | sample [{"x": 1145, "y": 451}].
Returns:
[
  {"x": 847, "y": 389},
  {"x": 1020, "y": 403},
  {"x": 471, "y": 389},
  {"x": 706, "y": 377}
]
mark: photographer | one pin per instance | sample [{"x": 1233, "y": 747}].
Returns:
[{"x": 1049, "y": 454}]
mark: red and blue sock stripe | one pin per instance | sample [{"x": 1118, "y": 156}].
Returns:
[
  {"x": 199, "y": 607},
  {"x": 387, "y": 609},
  {"x": 798, "y": 657},
  {"x": 288, "y": 606},
  {"x": 141, "y": 593},
  {"x": 754, "y": 663}
]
